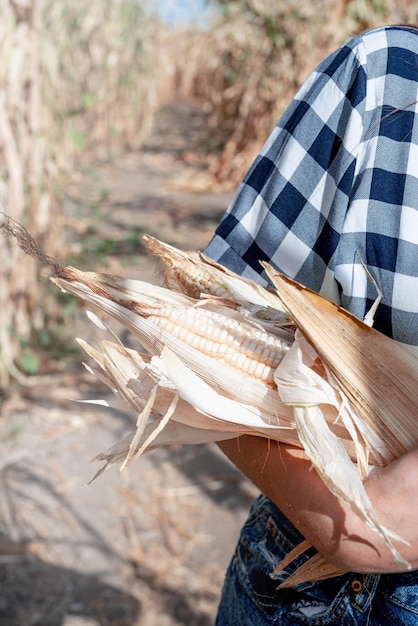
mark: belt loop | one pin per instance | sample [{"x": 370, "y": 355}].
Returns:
[{"x": 363, "y": 588}]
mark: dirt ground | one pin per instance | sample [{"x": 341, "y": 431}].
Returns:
[{"x": 147, "y": 546}]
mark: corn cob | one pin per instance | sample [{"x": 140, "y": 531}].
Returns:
[
  {"x": 158, "y": 326},
  {"x": 196, "y": 275},
  {"x": 327, "y": 397},
  {"x": 236, "y": 343},
  {"x": 185, "y": 272}
]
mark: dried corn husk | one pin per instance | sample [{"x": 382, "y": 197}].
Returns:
[
  {"x": 351, "y": 408},
  {"x": 315, "y": 407},
  {"x": 377, "y": 375},
  {"x": 196, "y": 275}
]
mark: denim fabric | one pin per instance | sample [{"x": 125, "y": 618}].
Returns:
[{"x": 250, "y": 596}]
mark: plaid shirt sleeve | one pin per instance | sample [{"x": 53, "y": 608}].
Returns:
[{"x": 336, "y": 185}]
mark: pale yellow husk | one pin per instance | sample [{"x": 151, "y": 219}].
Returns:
[{"x": 337, "y": 388}]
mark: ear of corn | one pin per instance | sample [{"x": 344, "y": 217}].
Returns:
[
  {"x": 374, "y": 421},
  {"x": 194, "y": 274},
  {"x": 223, "y": 361}
]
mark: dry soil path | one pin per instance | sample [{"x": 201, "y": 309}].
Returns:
[{"x": 148, "y": 546}]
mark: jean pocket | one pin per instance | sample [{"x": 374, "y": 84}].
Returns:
[
  {"x": 265, "y": 540},
  {"x": 262, "y": 546}
]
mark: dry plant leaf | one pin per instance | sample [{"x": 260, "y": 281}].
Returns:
[
  {"x": 377, "y": 375},
  {"x": 225, "y": 361}
]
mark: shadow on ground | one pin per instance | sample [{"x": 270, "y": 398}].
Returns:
[
  {"x": 36, "y": 593},
  {"x": 148, "y": 546}
]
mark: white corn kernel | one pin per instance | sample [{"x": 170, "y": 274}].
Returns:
[{"x": 235, "y": 343}]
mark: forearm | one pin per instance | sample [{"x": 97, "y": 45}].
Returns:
[{"x": 285, "y": 475}]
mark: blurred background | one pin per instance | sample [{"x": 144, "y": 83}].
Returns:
[{"x": 117, "y": 118}]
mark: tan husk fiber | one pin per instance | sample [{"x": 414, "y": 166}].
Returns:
[
  {"x": 378, "y": 375},
  {"x": 326, "y": 415},
  {"x": 337, "y": 388}
]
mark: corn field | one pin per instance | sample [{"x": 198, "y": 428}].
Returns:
[
  {"x": 82, "y": 81},
  {"x": 260, "y": 55},
  {"x": 77, "y": 81}
]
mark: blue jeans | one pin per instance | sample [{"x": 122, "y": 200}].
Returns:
[{"x": 250, "y": 596}]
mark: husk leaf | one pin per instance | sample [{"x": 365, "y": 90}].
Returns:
[
  {"x": 328, "y": 406},
  {"x": 377, "y": 375}
]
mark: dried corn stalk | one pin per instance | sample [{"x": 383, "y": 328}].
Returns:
[{"x": 222, "y": 359}]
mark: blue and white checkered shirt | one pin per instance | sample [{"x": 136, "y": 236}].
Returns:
[{"x": 336, "y": 184}]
